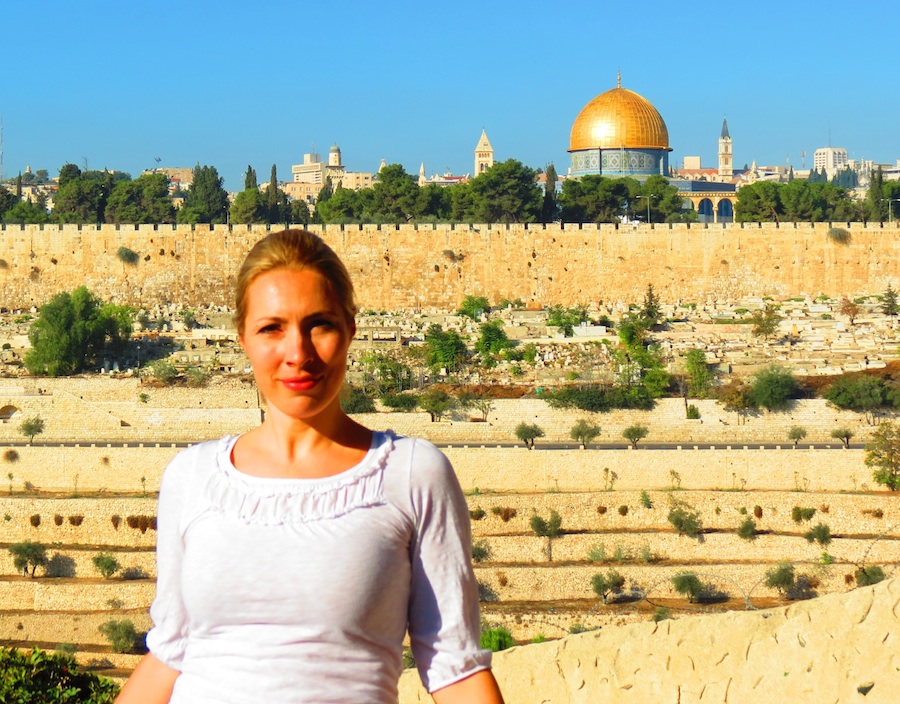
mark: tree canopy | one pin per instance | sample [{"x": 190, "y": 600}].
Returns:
[
  {"x": 75, "y": 331},
  {"x": 206, "y": 201}
]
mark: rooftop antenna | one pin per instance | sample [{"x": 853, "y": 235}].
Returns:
[
  {"x": 803, "y": 159},
  {"x": 157, "y": 160},
  {"x": 85, "y": 162}
]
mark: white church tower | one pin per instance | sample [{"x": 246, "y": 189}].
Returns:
[
  {"x": 726, "y": 165},
  {"x": 484, "y": 155}
]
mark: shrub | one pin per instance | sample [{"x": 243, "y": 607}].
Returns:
[
  {"x": 106, "y": 564},
  {"x": 547, "y": 528},
  {"x": 687, "y": 584},
  {"x": 839, "y": 235},
  {"x": 757, "y": 511},
  {"x": 645, "y": 500},
  {"x": 577, "y": 628},
  {"x": 128, "y": 256},
  {"x": 162, "y": 371},
  {"x": 130, "y": 573},
  {"x": 693, "y": 413},
  {"x": 660, "y": 614},
  {"x": 601, "y": 510},
  {"x": 868, "y": 575},
  {"x": 773, "y": 388},
  {"x": 539, "y": 638},
  {"x": 597, "y": 553},
  {"x": 623, "y": 510},
  {"x": 506, "y": 513},
  {"x": 798, "y": 514},
  {"x": 11, "y": 456},
  {"x": 481, "y": 551},
  {"x": 35, "y": 520},
  {"x": 747, "y": 529},
  {"x": 781, "y": 578},
  {"x": 496, "y": 638},
  {"x": 116, "y": 519},
  {"x": 39, "y": 676},
  {"x": 355, "y": 400},
  {"x": 76, "y": 520},
  {"x": 400, "y": 402},
  {"x": 477, "y": 514},
  {"x": 821, "y": 534},
  {"x": 121, "y": 635},
  {"x": 605, "y": 585},
  {"x": 685, "y": 522},
  {"x": 58, "y": 520}
]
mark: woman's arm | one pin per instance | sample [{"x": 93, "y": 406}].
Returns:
[
  {"x": 480, "y": 688},
  {"x": 150, "y": 683}
]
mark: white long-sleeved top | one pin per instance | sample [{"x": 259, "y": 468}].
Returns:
[{"x": 301, "y": 590}]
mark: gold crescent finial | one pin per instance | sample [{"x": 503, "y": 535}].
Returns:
[{"x": 619, "y": 78}]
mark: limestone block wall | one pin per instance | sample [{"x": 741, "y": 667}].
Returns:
[
  {"x": 830, "y": 649},
  {"x": 666, "y": 422},
  {"x": 405, "y": 266}
]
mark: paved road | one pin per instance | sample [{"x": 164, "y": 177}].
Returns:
[{"x": 482, "y": 443}]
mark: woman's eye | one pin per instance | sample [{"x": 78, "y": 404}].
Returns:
[{"x": 269, "y": 328}]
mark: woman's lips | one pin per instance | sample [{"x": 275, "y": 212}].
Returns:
[{"x": 300, "y": 384}]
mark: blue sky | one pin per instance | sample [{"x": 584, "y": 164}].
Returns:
[{"x": 236, "y": 83}]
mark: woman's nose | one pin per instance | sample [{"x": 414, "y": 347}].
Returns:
[{"x": 298, "y": 348}]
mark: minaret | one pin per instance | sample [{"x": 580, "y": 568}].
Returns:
[
  {"x": 422, "y": 179},
  {"x": 484, "y": 154},
  {"x": 726, "y": 166}
]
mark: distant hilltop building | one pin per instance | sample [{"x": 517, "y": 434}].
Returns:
[
  {"x": 180, "y": 177},
  {"x": 484, "y": 160},
  {"x": 619, "y": 133},
  {"x": 831, "y": 160},
  {"x": 310, "y": 176},
  {"x": 484, "y": 154}
]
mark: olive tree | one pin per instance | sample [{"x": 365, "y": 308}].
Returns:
[
  {"x": 883, "y": 453},
  {"x": 528, "y": 433}
]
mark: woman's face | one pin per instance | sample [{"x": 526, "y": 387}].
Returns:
[{"x": 296, "y": 336}]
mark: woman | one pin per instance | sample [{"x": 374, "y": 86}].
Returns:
[{"x": 292, "y": 558}]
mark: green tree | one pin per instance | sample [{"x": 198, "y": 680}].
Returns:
[
  {"x": 796, "y": 434},
  {"x": 842, "y": 434},
  {"x": 773, "y": 388},
  {"x": 566, "y": 319},
  {"x": 758, "y": 202},
  {"x": 765, "y": 322},
  {"x": 697, "y": 371},
  {"x": 31, "y": 427},
  {"x": 250, "y": 206},
  {"x": 395, "y": 194},
  {"x": 437, "y": 403},
  {"x": 549, "y": 206},
  {"x": 650, "y": 310},
  {"x": 7, "y": 201},
  {"x": 875, "y": 205},
  {"x": 747, "y": 529},
  {"x": 278, "y": 207},
  {"x": 206, "y": 200},
  {"x": 474, "y": 306},
  {"x": 666, "y": 202},
  {"x": 28, "y": 555},
  {"x": 584, "y": 432},
  {"x": 481, "y": 403},
  {"x": 121, "y": 635},
  {"x": 444, "y": 348},
  {"x": 889, "y": 304},
  {"x": 864, "y": 394},
  {"x": 685, "y": 521},
  {"x": 550, "y": 529},
  {"x": 635, "y": 433},
  {"x": 39, "y": 677},
  {"x": 144, "y": 200},
  {"x": 528, "y": 433},
  {"x": 883, "y": 453},
  {"x": 781, "y": 578},
  {"x": 506, "y": 192},
  {"x": 106, "y": 564},
  {"x": 492, "y": 339},
  {"x": 595, "y": 199},
  {"x": 496, "y": 639},
  {"x": 688, "y": 585},
  {"x": 356, "y": 400},
  {"x": 74, "y": 331},
  {"x": 26, "y": 212},
  {"x": 83, "y": 199},
  {"x": 607, "y": 585}
]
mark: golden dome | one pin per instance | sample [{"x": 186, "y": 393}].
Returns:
[{"x": 619, "y": 118}]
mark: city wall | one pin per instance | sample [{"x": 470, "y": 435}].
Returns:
[{"x": 436, "y": 265}]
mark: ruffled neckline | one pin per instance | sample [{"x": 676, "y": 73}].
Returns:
[{"x": 275, "y": 501}]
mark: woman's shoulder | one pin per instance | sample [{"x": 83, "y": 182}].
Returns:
[{"x": 197, "y": 459}]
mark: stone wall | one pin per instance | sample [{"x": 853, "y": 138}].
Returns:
[
  {"x": 837, "y": 648},
  {"x": 408, "y": 266}
]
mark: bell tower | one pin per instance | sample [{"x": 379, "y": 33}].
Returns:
[
  {"x": 726, "y": 165},
  {"x": 484, "y": 155}
]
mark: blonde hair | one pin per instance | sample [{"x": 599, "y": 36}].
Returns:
[{"x": 293, "y": 249}]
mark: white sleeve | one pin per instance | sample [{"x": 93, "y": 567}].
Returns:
[
  {"x": 168, "y": 637},
  {"x": 444, "y": 625}
]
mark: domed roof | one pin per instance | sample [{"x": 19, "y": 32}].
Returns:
[
  {"x": 619, "y": 118},
  {"x": 334, "y": 148}
]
